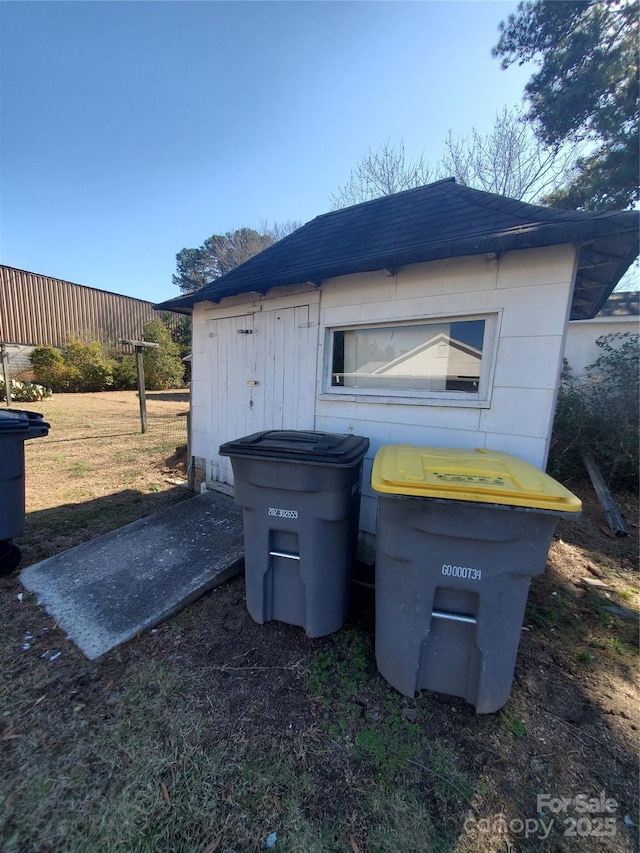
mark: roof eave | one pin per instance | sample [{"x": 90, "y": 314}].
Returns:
[
  {"x": 179, "y": 305},
  {"x": 596, "y": 233}
]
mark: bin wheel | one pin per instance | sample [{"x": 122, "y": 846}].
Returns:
[{"x": 10, "y": 556}]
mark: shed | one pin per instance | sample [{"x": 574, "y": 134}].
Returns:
[{"x": 435, "y": 316}]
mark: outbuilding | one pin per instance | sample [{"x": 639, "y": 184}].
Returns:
[{"x": 436, "y": 316}]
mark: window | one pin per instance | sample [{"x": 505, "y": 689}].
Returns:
[{"x": 426, "y": 359}]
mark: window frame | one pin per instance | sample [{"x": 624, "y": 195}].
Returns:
[{"x": 481, "y": 399}]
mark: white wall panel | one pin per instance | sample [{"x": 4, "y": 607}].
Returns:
[
  {"x": 530, "y": 449},
  {"x": 581, "y": 349},
  {"x": 528, "y": 362},
  {"x": 547, "y": 266},
  {"x": 519, "y": 411},
  {"x": 534, "y": 311},
  {"x": 448, "y": 277}
]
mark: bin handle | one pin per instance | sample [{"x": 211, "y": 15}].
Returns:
[
  {"x": 284, "y": 554},
  {"x": 454, "y": 617}
]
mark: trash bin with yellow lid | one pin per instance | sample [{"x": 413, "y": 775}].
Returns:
[{"x": 460, "y": 534}]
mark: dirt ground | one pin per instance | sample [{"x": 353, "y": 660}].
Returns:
[{"x": 570, "y": 729}]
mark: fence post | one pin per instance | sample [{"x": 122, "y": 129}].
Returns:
[
  {"x": 141, "y": 389},
  {"x": 5, "y": 372},
  {"x": 139, "y": 348}
]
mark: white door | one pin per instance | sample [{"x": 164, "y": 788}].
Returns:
[{"x": 264, "y": 376}]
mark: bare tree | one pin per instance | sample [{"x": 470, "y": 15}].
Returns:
[
  {"x": 279, "y": 229},
  {"x": 510, "y": 160},
  {"x": 381, "y": 172}
]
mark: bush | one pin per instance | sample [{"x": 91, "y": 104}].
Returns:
[
  {"x": 87, "y": 365},
  {"x": 125, "y": 375},
  {"x": 48, "y": 367},
  {"x": 79, "y": 367},
  {"x": 163, "y": 367},
  {"x": 181, "y": 335},
  {"x": 25, "y": 392},
  {"x": 600, "y": 411}
]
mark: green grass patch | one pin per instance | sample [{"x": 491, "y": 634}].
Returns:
[
  {"x": 382, "y": 730},
  {"x": 618, "y": 646},
  {"x": 80, "y": 468},
  {"x": 538, "y": 616},
  {"x": 512, "y": 724},
  {"x": 149, "y": 775}
]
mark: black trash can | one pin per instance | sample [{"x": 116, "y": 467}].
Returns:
[
  {"x": 460, "y": 534},
  {"x": 16, "y": 427},
  {"x": 300, "y": 492}
]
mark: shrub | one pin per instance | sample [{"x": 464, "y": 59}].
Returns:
[
  {"x": 48, "y": 367},
  {"x": 600, "y": 411},
  {"x": 180, "y": 330},
  {"x": 87, "y": 365},
  {"x": 125, "y": 375},
  {"x": 163, "y": 366},
  {"x": 25, "y": 392},
  {"x": 79, "y": 367}
]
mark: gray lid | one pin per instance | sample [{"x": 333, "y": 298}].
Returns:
[{"x": 326, "y": 448}]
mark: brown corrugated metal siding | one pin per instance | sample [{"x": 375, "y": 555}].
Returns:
[{"x": 38, "y": 310}]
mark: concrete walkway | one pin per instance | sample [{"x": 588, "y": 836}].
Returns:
[{"x": 106, "y": 591}]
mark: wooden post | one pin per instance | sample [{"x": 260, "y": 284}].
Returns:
[
  {"x": 139, "y": 348},
  {"x": 141, "y": 389},
  {"x": 190, "y": 466},
  {"x": 5, "y": 372},
  {"x": 611, "y": 511}
]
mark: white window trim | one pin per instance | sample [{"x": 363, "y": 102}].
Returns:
[{"x": 481, "y": 400}]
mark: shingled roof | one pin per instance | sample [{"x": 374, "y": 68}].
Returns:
[
  {"x": 623, "y": 304},
  {"x": 440, "y": 220}
]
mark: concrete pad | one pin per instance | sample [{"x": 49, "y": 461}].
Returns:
[{"x": 106, "y": 591}]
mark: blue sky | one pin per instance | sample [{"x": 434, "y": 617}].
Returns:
[{"x": 130, "y": 130}]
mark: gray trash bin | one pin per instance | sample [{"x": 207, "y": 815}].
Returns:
[
  {"x": 460, "y": 534},
  {"x": 16, "y": 427},
  {"x": 300, "y": 492}
]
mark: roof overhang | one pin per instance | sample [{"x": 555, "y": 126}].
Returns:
[{"x": 606, "y": 244}]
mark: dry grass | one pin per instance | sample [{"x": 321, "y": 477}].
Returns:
[
  {"x": 96, "y": 471},
  {"x": 214, "y": 734}
]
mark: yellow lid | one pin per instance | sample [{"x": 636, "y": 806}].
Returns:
[{"x": 484, "y": 476}]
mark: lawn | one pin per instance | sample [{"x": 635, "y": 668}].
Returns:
[{"x": 213, "y": 734}]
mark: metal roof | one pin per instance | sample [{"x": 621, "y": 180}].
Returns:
[
  {"x": 38, "y": 310},
  {"x": 437, "y": 221}
]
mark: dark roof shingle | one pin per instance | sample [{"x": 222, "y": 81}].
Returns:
[
  {"x": 437, "y": 221},
  {"x": 623, "y": 304}
]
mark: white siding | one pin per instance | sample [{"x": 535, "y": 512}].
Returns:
[
  {"x": 581, "y": 349},
  {"x": 253, "y": 369},
  {"x": 201, "y": 385},
  {"x": 528, "y": 293},
  {"x": 531, "y": 293}
]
